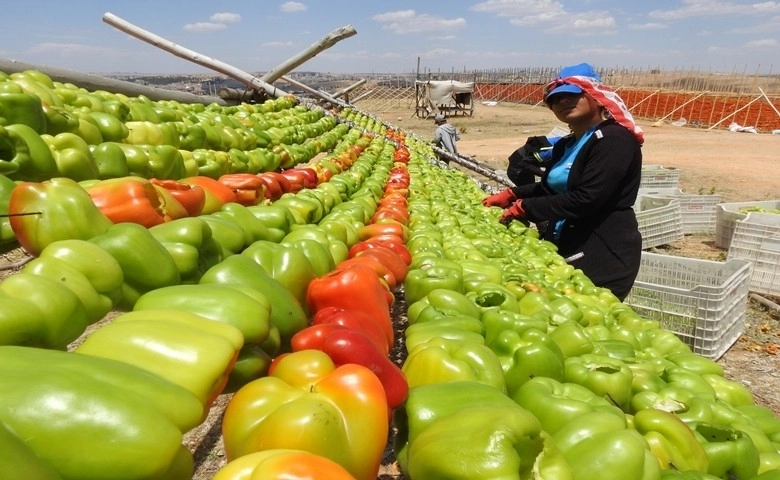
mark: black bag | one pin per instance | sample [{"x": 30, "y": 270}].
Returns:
[{"x": 526, "y": 162}]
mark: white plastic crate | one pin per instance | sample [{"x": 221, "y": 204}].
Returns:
[
  {"x": 757, "y": 239},
  {"x": 659, "y": 219},
  {"x": 656, "y": 176},
  {"x": 703, "y": 302},
  {"x": 727, "y": 215},
  {"x": 697, "y": 212}
]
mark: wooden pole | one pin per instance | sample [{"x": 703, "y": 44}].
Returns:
[
  {"x": 194, "y": 57},
  {"x": 96, "y": 82},
  {"x": 344, "y": 91},
  {"x": 658, "y": 123},
  {"x": 315, "y": 92},
  {"x": 322, "y": 44},
  {"x": 769, "y": 101},
  {"x": 735, "y": 112}
]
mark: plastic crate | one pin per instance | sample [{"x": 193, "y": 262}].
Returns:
[
  {"x": 659, "y": 219},
  {"x": 656, "y": 176},
  {"x": 757, "y": 239},
  {"x": 703, "y": 302},
  {"x": 697, "y": 212},
  {"x": 727, "y": 215}
]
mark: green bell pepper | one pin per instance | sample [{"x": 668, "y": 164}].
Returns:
[
  {"x": 477, "y": 442},
  {"x": 164, "y": 162},
  {"x": 24, "y": 155},
  {"x": 497, "y": 320},
  {"x": 95, "y": 418},
  {"x": 427, "y": 405},
  {"x": 572, "y": 338},
  {"x": 605, "y": 376},
  {"x": 184, "y": 348},
  {"x": 110, "y": 159},
  {"x": 611, "y": 455},
  {"x": 671, "y": 440},
  {"x": 226, "y": 232},
  {"x": 731, "y": 453},
  {"x": 444, "y": 360},
  {"x": 61, "y": 318},
  {"x": 277, "y": 219},
  {"x": 556, "y": 403},
  {"x": 190, "y": 243},
  {"x": 246, "y": 309},
  {"x": 460, "y": 328},
  {"x": 146, "y": 263},
  {"x": 421, "y": 281},
  {"x": 285, "y": 263},
  {"x": 527, "y": 355},
  {"x": 20, "y": 461},
  {"x": 287, "y": 314},
  {"x": 7, "y": 235},
  {"x": 493, "y": 296},
  {"x": 24, "y": 109},
  {"x": 444, "y": 301},
  {"x": 72, "y": 155},
  {"x": 111, "y": 128}
]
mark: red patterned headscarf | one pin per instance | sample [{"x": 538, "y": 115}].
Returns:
[{"x": 605, "y": 96}]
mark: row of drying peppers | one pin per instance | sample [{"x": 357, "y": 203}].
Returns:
[
  {"x": 208, "y": 302},
  {"x": 519, "y": 367}
]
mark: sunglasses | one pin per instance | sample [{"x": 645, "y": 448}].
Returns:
[{"x": 550, "y": 101}]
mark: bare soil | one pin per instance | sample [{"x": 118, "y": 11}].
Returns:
[{"x": 737, "y": 166}]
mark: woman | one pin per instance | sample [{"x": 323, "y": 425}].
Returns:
[{"x": 588, "y": 190}]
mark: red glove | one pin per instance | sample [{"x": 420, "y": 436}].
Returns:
[
  {"x": 501, "y": 199},
  {"x": 515, "y": 212}
]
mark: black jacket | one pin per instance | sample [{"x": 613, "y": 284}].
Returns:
[{"x": 601, "y": 233}]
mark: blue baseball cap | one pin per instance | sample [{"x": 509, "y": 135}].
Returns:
[{"x": 581, "y": 70}]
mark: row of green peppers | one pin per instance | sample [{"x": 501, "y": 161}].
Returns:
[
  {"x": 237, "y": 269},
  {"x": 50, "y": 129},
  {"x": 519, "y": 367}
]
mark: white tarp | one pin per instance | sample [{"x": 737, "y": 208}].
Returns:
[{"x": 442, "y": 92}]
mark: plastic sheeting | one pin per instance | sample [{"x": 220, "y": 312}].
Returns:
[{"x": 443, "y": 92}]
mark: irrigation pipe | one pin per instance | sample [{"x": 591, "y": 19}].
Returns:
[{"x": 765, "y": 302}]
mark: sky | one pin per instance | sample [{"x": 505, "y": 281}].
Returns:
[{"x": 399, "y": 36}]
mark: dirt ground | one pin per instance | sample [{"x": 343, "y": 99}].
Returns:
[{"x": 737, "y": 166}]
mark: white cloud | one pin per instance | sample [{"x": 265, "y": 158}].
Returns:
[
  {"x": 292, "y": 7},
  {"x": 277, "y": 44},
  {"x": 648, "y": 26},
  {"x": 408, "y": 21},
  {"x": 70, "y": 49},
  {"x": 520, "y": 8},
  {"x": 715, "y": 8},
  {"x": 204, "y": 27},
  {"x": 764, "y": 43},
  {"x": 591, "y": 23},
  {"x": 225, "y": 17}
]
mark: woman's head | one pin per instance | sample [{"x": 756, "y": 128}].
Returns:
[{"x": 560, "y": 87}]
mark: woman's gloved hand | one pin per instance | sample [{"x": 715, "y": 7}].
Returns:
[
  {"x": 514, "y": 212},
  {"x": 501, "y": 199}
]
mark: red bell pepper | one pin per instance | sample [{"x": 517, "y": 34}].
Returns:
[
  {"x": 392, "y": 242},
  {"x": 355, "y": 287},
  {"x": 128, "y": 199},
  {"x": 248, "y": 187},
  {"x": 191, "y": 197},
  {"x": 375, "y": 264},
  {"x": 283, "y": 464},
  {"x": 351, "y": 346},
  {"x": 394, "y": 262},
  {"x": 356, "y": 320},
  {"x": 217, "y": 194}
]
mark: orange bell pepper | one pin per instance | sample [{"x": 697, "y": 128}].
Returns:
[
  {"x": 128, "y": 199},
  {"x": 283, "y": 464},
  {"x": 307, "y": 403}
]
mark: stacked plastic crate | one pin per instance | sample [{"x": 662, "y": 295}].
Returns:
[{"x": 702, "y": 301}]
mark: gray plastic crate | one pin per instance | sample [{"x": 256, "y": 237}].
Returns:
[
  {"x": 697, "y": 212},
  {"x": 702, "y": 301},
  {"x": 659, "y": 219},
  {"x": 656, "y": 176},
  {"x": 757, "y": 239},
  {"x": 727, "y": 215}
]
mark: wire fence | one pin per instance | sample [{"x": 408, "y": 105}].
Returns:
[{"x": 695, "y": 98}]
